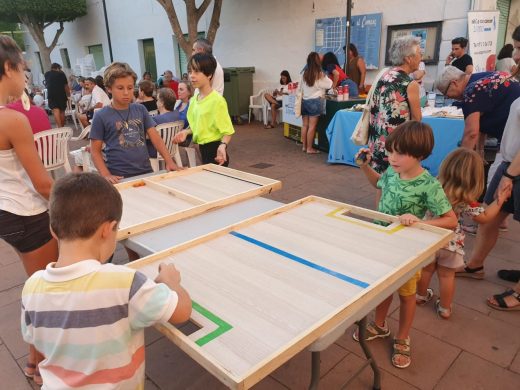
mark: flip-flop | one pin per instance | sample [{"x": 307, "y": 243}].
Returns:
[
  {"x": 37, "y": 378},
  {"x": 313, "y": 152},
  {"x": 268, "y": 127},
  {"x": 29, "y": 367}
]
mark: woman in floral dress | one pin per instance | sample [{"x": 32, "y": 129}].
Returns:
[{"x": 396, "y": 98}]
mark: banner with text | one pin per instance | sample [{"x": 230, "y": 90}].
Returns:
[{"x": 482, "y": 34}]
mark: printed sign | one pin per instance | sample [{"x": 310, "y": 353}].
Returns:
[{"x": 483, "y": 32}]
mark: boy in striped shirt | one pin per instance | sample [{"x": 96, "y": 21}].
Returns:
[{"x": 85, "y": 316}]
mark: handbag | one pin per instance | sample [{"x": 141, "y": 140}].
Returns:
[
  {"x": 298, "y": 100},
  {"x": 360, "y": 133}
]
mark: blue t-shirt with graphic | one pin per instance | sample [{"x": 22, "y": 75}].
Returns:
[{"x": 124, "y": 135}]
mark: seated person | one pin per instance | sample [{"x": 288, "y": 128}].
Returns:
[
  {"x": 168, "y": 81},
  {"x": 97, "y": 99},
  {"x": 145, "y": 97},
  {"x": 103, "y": 308},
  {"x": 165, "y": 105},
  {"x": 331, "y": 67},
  {"x": 275, "y": 100}
]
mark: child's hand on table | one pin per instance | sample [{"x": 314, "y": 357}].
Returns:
[{"x": 408, "y": 219}]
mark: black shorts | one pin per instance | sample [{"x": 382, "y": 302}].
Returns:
[
  {"x": 512, "y": 206},
  {"x": 208, "y": 152},
  {"x": 25, "y": 233},
  {"x": 60, "y": 104}
]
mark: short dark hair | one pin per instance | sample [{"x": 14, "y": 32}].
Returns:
[
  {"x": 205, "y": 45},
  {"x": 147, "y": 87},
  {"x": 506, "y": 52},
  {"x": 80, "y": 203},
  {"x": 463, "y": 42},
  {"x": 353, "y": 49},
  {"x": 202, "y": 62},
  {"x": 412, "y": 138},
  {"x": 55, "y": 66},
  {"x": 91, "y": 79},
  {"x": 10, "y": 53},
  {"x": 287, "y": 75},
  {"x": 167, "y": 97},
  {"x": 516, "y": 34},
  {"x": 117, "y": 70}
]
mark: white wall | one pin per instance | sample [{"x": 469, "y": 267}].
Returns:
[{"x": 270, "y": 35}]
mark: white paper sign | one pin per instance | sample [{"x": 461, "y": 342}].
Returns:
[{"x": 482, "y": 32}]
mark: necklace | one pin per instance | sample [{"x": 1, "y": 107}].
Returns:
[{"x": 124, "y": 121}]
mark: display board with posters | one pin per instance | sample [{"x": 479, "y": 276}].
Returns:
[
  {"x": 429, "y": 33},
  {"x": 365, "y": 33},
  {"x": 482, "y": 33}
]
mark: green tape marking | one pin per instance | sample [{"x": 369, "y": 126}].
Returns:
[{"x": 222, "y": 326}]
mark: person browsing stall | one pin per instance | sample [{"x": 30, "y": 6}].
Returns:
[
  {"x": 208, "y": 114},
  {"x": 88, "y": 317},
  {"x": 123, "y": 126}
]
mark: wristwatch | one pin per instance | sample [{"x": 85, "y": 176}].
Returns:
[
  {"x": 223, "y": 143},
  {"x": 509, "y": 176}
]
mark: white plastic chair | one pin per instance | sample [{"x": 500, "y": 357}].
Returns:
[
  {"x": 52, "y": 146},
  {"x": 167, "y": 132},
  {"x": 267, "y": 108},
  {"x": 257, "y": 102},
  {"x": 84, "y": 133},
  {"x": 69, "y": 111},
  {"x": 153, "y": 113}
]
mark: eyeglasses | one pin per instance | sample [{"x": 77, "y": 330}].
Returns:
[{"x": 445, "y": 93}]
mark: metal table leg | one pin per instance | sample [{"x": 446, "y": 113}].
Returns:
[{"x": 315, "y": 371}]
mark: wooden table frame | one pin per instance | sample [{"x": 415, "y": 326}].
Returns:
[
  {"x": 353, "y": 311},
  {"x": 265, "y": 186}
]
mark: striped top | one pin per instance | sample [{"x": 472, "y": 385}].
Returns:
[{"x": 88, "y": 320}]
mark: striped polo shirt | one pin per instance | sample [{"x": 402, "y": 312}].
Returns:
[{"x": 88, "y": 320}]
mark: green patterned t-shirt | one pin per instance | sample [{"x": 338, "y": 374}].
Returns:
[{"x": 414, "y": 196}]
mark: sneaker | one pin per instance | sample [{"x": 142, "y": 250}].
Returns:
[{"x": 373, "y": 332}]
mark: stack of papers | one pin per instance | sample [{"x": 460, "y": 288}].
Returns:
[{"x": 443, "y": 112}]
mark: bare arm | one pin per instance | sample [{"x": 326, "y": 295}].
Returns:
[
  {"x": 471, "y": 130},
  {"x": 158, "y": 143},
  {"x": 372, "y": 176},
  {"x": 97, "y": 158},
  {"x": 446, "y": 221},
  {"x": 414, "y": 101},
  {"x": 469, "y": 69},
  {"x": 335, "y": 78},
  {"x": 363, "y": 71},
  {"x": 170, "y": 276},
  {"x": 20, "y": 136},
  {"x": 221, "y": 157}
]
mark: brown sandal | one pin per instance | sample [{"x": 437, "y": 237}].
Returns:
[{"x": 401, "y": 347}]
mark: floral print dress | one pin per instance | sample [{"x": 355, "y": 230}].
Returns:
[{"x": 388, "y": 109}]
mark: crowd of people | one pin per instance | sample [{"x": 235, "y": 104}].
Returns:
[{"x": 123, "y": 138}]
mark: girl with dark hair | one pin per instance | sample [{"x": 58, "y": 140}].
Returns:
[
  {"x": 505, "y": 62},
  {"x": 356, "y": 68},
  {"x": 331, "y": 67},
  {"x": 275, "y": 99},
  {"x": 25, "y": 185},
  {"x": 314, "y": 85}
]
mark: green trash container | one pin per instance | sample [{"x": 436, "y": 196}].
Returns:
[{"x": 238, "y": 87}]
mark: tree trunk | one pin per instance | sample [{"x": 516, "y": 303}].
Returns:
[{"x": 193, "y": 15}]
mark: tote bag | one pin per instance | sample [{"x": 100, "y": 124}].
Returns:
[{"x": 360, "y": 133}]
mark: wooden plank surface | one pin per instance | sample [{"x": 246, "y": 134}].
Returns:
[
  {"x": 154, "y": 201},
  {"x": 277, "y": 282}
]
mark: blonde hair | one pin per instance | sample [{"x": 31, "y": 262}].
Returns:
[
  {"x": 462, "y": 176},
  {"x": 117, "y": 70}
]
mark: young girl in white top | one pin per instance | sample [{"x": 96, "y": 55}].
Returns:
[
  {"x": 24, "y": 183},
  {"x": 462, "y": 178},
  {"x": 314, "y": 85}
]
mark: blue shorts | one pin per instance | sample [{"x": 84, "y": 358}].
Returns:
[
  {"x": 312, "y": 107},
  {"x": 512, "y": 206}
]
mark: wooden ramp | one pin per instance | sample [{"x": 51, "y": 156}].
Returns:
[
  {"x": 266, "y": 288},
  {"x": 161, "y": 199}
]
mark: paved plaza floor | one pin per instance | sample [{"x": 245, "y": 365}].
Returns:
[{"x": 478, "y": 348}]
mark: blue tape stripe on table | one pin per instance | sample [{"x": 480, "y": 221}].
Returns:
[{"x": 447, "y": 133}]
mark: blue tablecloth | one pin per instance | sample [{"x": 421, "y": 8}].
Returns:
[{"x": 447, "y": 134}]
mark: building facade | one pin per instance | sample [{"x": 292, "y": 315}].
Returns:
[{"x": 270, "y": 35}]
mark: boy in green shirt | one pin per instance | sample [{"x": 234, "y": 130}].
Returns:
[
  {"x": 408, "y": 191},
  {"x": 208, "y": 114}
]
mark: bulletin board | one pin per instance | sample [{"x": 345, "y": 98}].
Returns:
[{"x": 429, "y": 33}]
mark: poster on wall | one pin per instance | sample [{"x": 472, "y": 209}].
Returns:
[
  {"x": 482, "y": 33},
  {"x": 429, "y": 33},
  {"x": 365, "y": 31}
]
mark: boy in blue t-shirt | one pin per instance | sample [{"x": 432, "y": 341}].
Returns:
[
  {"x": 123, "y": 127},
  {"x": 408, "y": 191}
]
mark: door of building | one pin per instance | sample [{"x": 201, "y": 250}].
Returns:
[{"x": 150, "y": 65}]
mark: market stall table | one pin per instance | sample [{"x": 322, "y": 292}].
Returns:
[{"x": 447, "y": 133}]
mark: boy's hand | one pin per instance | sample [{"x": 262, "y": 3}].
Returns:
[
  {"x": 170, "y": 166},
  {"x": 408, "y": 219},
  {"x": 113, "y": 179},
  {"x": 363, "y": 157},
  {"x": 168, "y": 275},
  {"x": 221, "y": 154},
  {"x": 180, "y": 137}
]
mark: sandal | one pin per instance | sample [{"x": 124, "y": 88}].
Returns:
[
  {"x": 511, "y": 275},
  {"x": 473, "y": 273},
  {"x": 502, "y": 304},
  {"x": 313, "y": 151},
  {"x": 401, "y": 348},
  {"x": 29, "y": 369},
  {"x": 442, "y": 312},
  {"x": 268, "y": 127},
  {"x": 424, "y": 299},
  {"x": 373, "y": 332},
  {"x": 37, "y": 378}
]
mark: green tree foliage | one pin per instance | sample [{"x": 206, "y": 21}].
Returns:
[{"x": 37, "y": 15}]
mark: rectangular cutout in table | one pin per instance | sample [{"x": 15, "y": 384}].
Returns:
[
  {"x": 161, "y": 199},
  {"x": 267, "y": 287}
]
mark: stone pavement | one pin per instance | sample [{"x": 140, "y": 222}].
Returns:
[{"x": 478, "y": 348}]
